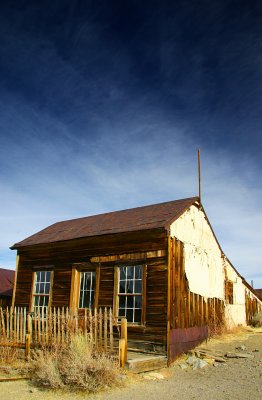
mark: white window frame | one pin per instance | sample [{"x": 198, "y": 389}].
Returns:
[
  {"x": 133, "y": 294},
  {"x": 40, "y": 279},
  {"x": 91, "y": 291}
]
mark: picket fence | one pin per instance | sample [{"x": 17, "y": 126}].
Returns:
[{"x": 57, "y": 326}]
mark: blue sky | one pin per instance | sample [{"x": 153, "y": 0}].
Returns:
[{"x": 103, "y": 106}]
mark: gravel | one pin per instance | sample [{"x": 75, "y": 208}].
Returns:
[{"x": 237, "y": 379}]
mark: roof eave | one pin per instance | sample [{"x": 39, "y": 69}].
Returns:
[{"x": 16, "y": 246}]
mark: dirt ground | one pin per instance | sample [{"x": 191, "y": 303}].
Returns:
[{"x": 236, "y": 379}]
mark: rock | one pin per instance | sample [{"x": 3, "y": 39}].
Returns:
[
  {"x": 157, "y": 375},
  {"x": 153, "y": 376},
  {"x": 199, "y": 363},
  {"x": 183, "y": 366},
  {"x": 149, "y": 378},
  {"x": 242, "y": 348},
  {"x": 191, "y": 360}
]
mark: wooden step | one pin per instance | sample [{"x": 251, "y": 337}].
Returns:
[{"x": 141, "y": 362}]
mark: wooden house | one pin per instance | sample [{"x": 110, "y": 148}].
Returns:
[
  {"x": 7, "y": 277},
  {"x": 160, "y": 266}
]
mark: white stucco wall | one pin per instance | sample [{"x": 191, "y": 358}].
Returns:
[
  {"x": 203, "y": 259},
  {"x": 235, "y": 315},
  {"x": 206, "y": 266}
]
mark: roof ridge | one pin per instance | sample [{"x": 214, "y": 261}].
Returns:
[
  {"x": 146, "y": 217},
  {"x": 127, "y": 209}
]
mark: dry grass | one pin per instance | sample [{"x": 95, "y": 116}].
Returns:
[
  {"x": 257, "y": 320},
  {"x": 77, "y": 366},
  {"x": 216, "y": 326},
  {"x": 8, "y": 355},
  {"x": 11, "y": 361}
]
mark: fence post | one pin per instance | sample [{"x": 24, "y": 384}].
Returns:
[
  {"x": 123, "y": 343},
  {"x": 122, "y": 353},
  {"x": 27, "y": 345}
]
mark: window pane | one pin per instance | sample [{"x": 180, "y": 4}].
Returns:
[
  {"x": 130, "y": 272},
  {"x": 45, "y": 303},
  {"x": 86, "y": 300},
  {"x": 122, "y": 287},
  {"x": 80, "y": 299},
  {"x": 87, "y": 280},
  {"x": 129, "y": 286},
  {"x": 138, "y": 272},
  {"x": 138, "y": 301},
  {"x": 122, "y": 312},
  {"x": 130, "y": 301},
  {"x": 137, "y": 315},
  {"x": 47, "y": 278},
  {"x": 47, "y": 288},
  {"x": 138, "y": 286},
  {"x": 122, "y": 301},
  {"x": 41, "y": 288},
  {"x": 123, "y": 273},
  {"x": 129, "y": 315},
  {"x": 37, "y": 276},
  {"x": 36, "y": 287},
  {"x": 92, "y": 303},
  {"x": 36, "y": 302}
]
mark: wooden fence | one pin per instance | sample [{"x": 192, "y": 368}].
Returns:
[{"x": 57, "y": 326}]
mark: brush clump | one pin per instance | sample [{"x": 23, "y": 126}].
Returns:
[{"x": 76, "y": 366}]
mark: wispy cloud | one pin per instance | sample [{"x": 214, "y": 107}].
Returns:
[
  {"x": 65, "y": 177},
  {"x": 103, "y": 112}
]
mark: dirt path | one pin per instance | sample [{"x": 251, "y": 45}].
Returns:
[{"x": 237, "y": 379}]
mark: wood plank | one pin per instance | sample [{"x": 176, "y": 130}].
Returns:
[
  {"x": 15, "y": 280},
  {"x": 146, "y": 363}
]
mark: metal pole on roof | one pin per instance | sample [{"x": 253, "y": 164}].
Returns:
[{"x": 199, "y": 176}]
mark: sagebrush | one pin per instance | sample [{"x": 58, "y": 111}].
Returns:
[
  {"x": 257, "y": 319},
  {"x": 77, "y": 366}
]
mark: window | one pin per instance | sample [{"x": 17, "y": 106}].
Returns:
[
  {"x": 229, "y": 292},
  {"x": 41, "y": 292},
  {"x": 130, "y": 293},
  {"x": 87, "y": 289}
]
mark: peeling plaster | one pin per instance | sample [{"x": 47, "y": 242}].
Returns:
[
  {"x": 206, "y": 266},
  {"x": 202, "y": 255}
]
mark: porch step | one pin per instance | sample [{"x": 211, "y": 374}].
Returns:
[{"x": 141, "y": 362}]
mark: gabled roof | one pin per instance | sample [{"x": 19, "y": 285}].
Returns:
[
  {"x": 133, "y": 219},
  {"x": 7, "y": 277}
]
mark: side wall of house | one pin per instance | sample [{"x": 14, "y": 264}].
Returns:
[
  {"x": 191, "y": 315},
  {"x": 235, "y": 309},
  {"x": 207, "y": 270}
]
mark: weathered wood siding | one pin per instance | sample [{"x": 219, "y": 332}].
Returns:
[
  {"x": 148, "y": 248},
  {"x": 191, "y": 315},
  {"x": 23, "y": 284},
  {"x": 154, "y": 331}
]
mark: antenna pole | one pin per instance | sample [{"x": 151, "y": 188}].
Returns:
[{"x": 199, "y": 176}]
